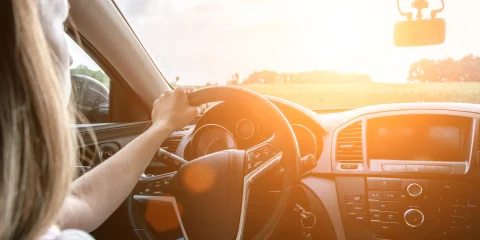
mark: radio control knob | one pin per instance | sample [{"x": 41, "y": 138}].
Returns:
[
  {"x": 414, "y": 217},
  {"x": 414, "y": 189}
]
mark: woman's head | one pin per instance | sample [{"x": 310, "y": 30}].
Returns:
[{"x": 37, "y": 145}]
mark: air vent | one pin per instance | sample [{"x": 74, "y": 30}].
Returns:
[
  {"x": 107, "y": 152},
  {"x": 478, "y": 141},
  {"x": 349, "y": 144},
  {"x": 172, "y": 142}
]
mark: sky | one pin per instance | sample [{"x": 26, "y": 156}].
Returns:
[{"x": 209, "y": 40}]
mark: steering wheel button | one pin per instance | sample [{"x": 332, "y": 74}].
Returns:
[
  {"x": 266, "y": 151},
  {"x": 255, "y": 165},
  {"x": 250, "y": 157},
  {"x": 166, "y": 181}
]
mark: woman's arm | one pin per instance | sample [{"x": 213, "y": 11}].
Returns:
[{"x": 98, "y": 193}]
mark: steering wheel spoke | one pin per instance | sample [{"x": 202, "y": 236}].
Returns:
[
  {"x": 159, "y": 185},
  {"x": 264, "y": 153}
]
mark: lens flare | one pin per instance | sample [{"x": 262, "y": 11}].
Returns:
[
  {"x": 161, "y": 216},
  {"x": 199, "y": 177}
]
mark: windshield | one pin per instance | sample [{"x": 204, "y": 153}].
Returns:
[{"x": 320, "y": 54}]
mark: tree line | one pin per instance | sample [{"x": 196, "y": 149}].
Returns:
[
  {"x": 317, "y": 76},
  {"x": 466, "y": 69}
]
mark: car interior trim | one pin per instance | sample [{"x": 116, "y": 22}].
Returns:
[{"x": 248, "y": 180}]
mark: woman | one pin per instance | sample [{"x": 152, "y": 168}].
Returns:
[{"x": 37, "y": 145}]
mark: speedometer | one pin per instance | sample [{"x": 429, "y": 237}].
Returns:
[
  {"x": 212, "y": 138},
  {"x": 306, "y": 140}
]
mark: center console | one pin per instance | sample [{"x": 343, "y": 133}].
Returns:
[
  {"x": 409, "y": 176},
  {"x": 404, "y": 208}
]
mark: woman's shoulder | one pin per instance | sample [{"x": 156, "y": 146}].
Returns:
[{"x": 54, "y": 233}]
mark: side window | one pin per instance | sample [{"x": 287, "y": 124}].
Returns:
[{"x": 90, "y": 86}]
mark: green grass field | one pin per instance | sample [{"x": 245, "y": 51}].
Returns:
[{"x": 356, "y": 95}]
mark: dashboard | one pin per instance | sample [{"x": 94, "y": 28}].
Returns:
[
  {"x": 403, "y": 171},
  {"x": 394, "y": 171}
]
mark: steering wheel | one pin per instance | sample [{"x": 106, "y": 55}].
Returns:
[{"x": 219, "y": 210}]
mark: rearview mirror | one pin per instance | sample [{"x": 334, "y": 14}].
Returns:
[{"x": 421, "y": 32}]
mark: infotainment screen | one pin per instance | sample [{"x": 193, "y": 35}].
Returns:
[{"x": 419, "y": 137}]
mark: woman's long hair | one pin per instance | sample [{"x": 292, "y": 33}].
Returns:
[{"x": 37, "y": 139}]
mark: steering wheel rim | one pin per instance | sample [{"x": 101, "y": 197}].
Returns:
[{"x": 288, "y": 155}]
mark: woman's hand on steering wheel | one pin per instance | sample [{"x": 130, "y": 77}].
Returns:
[{"x": 172, "y": 109}]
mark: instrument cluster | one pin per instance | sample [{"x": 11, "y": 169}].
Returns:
[{"x": 240, "y": 130}]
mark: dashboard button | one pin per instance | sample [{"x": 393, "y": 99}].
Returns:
[
  {"x": 472, "y": 223},
  {"x": 355, "y": 198},
  {"x": 386, "y": 227},
  {"x": 356, "y": 208},
  {"x": 385, "y": 206},
  {"x": 416, "y": 168},
  {"x": 414, "y": 218},
  {"x": 458, "y": 201},
  {"x": 448, "y": 189},
  {"x": 386, "y": 216},
  {"x": 376, "y": 216},
  {"x": 438, "y": 169},
  {"x": 437, "y": 221},
  {"x": 391, "y": 217},
  {"x": 394, "y": 167},
  {"x": 394, "y": 195},
  {"x": 349, "y": 166},
  {"x": 442, "y": 233},
  {"x": 375, "y": 195},
  {"x": 407, "y": 182},
  {"x": 384, "y": 183},
  {"x": 414, "y": 189},
  {"x": 457, "y": 222},
  {"x": 472, "y": 209},
  {"x": 358, "y": 217},
  {"x": 458, "y": 211},
  {"x": 441, "y": 211}
]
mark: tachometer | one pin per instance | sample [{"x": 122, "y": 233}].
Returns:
[
  {"x": 212, "y": 138},
  {"x": 264, "y": 130}
]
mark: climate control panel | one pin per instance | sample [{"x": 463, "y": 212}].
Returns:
[
  {"x": 400, "y": 208},
  {"x": 420, "y": 208}
]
